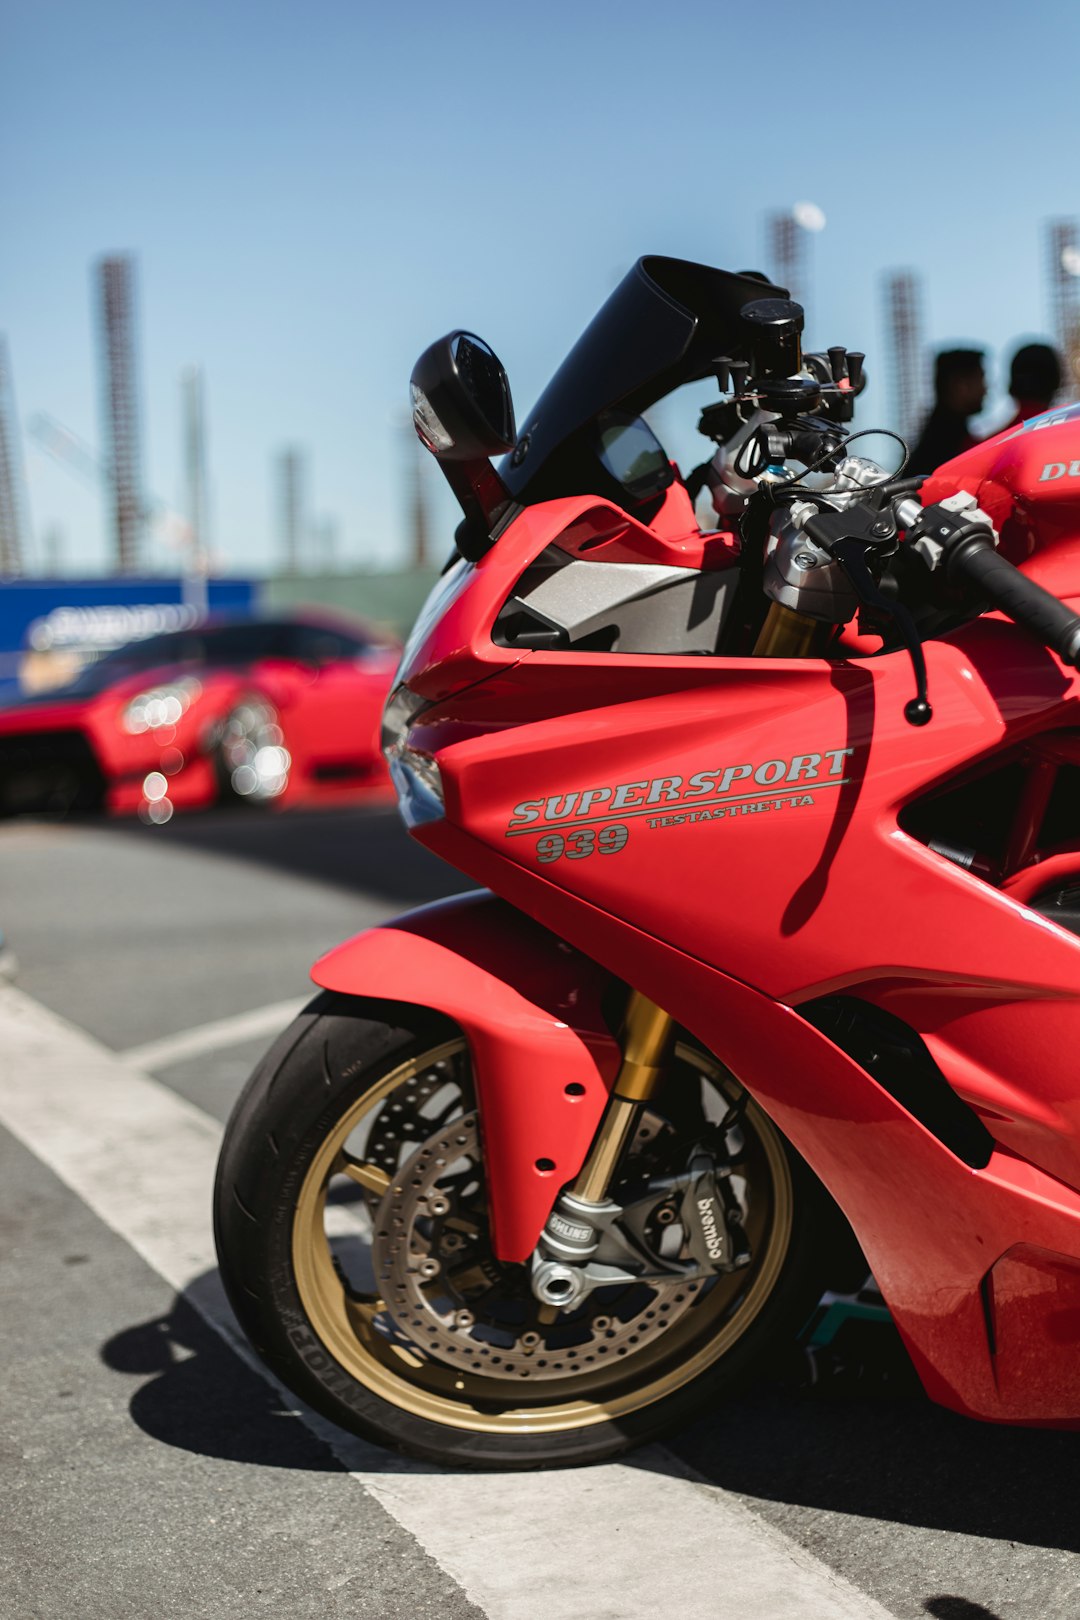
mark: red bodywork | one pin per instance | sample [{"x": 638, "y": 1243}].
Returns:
[
  {"x": 328, "y": 714},
  {"x": 769, "y": 860}
]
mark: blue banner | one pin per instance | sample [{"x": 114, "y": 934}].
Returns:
[{"x": 49, "y": 628}]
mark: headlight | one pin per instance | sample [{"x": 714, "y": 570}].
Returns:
[
  {"x": 418, "y": 786},
  {"x": 415, "y": 776},
  {"x": 160, "y": 706}
]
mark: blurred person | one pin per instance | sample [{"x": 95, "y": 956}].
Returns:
[
  {"x": 959, "y": 393},
  {"x": 1034, "y": 381}
]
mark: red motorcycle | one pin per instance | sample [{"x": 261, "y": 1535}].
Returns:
[{"x": 780, "y": 832}]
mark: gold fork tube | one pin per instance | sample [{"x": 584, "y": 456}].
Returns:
[
  {"x": 787, "y": 634},
  {"x": 619, "y": 1118},
  {"x": 646, "y": 1039},
  {"x": 647, "y": 1028}
]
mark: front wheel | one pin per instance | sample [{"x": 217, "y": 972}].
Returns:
[{"x": 351, "y": 1224}]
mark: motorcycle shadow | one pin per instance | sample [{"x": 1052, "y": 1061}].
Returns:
[
  {"x": 197, "y": 1393},
  {"x": 361, "y": 847},
  {"x": 853, "y": 1436}
]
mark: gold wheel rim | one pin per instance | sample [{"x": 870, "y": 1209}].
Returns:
[{"x": 457, "y": 1399}]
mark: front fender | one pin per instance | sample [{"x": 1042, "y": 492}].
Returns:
[{"x": 530, "y": 1008}]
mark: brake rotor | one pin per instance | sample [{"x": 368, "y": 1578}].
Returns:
[{"x": 458, "y": 1304}]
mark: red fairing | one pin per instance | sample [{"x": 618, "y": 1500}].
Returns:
[
  {"x": 741, "y": 838},
  {"x": 1027, "y": 480},
  {"x": 530, "y": 1007}
]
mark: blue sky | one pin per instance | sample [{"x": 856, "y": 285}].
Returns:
[{"x": 315, "y": 192}]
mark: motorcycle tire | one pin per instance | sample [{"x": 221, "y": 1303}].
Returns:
[{"x": 351, "y": 1232}]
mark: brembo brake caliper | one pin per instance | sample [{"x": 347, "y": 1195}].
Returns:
[
  {"x": 590, "y": 1241},
  {"x": 589, "y": 1245}
]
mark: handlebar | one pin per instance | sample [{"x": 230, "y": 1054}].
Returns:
[
  {"x": 971, "y": 557},
  {"x": 860, "y": 537}
]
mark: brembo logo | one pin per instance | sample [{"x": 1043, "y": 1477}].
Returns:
[
  {"x": 710, "y": 1231},
  {"x": 1059, "y": 469},
  {"x": 663, "y": 792}
]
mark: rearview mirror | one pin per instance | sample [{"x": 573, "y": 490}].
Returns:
[{"x": 462, "y": 409}]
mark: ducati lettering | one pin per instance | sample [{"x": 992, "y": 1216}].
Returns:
[
  {"x": 674, "y": 801},
  {"x": 1059, "y": 469}
]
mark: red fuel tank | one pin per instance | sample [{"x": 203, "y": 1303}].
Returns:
[{"x": 1027, "y": 479}]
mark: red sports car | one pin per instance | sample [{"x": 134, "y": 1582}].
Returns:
[{"x": 284, "y": 710}]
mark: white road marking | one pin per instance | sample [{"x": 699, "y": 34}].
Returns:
[
  {"x": 605, "y": 1543},
  {"x": 189, "y": 1043}
]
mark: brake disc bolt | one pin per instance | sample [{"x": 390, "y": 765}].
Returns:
[
  {"x": 464, "y": 1319},
  {"x": 438, "y": 1204},
  {"x": 428, "y": 1267}
]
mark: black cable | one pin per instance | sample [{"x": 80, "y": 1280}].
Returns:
[
  {"x": 863, "y": 433},
  {"x": 905, "y": 486}
]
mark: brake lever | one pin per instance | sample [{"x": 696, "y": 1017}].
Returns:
[
  {"x": 833, "y": 532},
  {"x": 851, "y": 555}
]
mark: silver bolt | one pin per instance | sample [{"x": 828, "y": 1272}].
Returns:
[{"x": 804, "y": 560}]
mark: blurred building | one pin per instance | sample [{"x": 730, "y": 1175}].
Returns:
[
  {"x": 121, "y": 436},
  {"x": 195, "y": 500},
  {"x": 290, "y": 498},
  {"x": 419, "y": 527},
  {"x": 785, "y": 246},
  {"x": 390, "y": 598},
  {"x": 906, "y": 350},
  {"x": 1063, "y": 282},
  {"x": 13, "y": 518}
]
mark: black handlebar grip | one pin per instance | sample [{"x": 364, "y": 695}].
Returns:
[{"x": 972, "y": 557}]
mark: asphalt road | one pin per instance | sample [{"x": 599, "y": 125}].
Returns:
[{"x": 148, "y": 1470}]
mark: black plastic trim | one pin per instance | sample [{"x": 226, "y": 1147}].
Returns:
[{"x": 896, "y": 1056}]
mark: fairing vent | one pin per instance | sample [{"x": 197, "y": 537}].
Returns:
[
  {"x": 897, "y": 1058},
  {"x": 1061, "y": 905}
]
